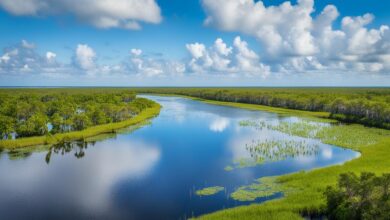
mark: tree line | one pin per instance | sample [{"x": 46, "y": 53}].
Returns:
[
  {"x": 368, "y": 106},
  {"x": 29, "y": 112}
]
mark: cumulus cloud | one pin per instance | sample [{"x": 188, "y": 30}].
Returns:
[
  {"x": 102, "y": 14},
  {"x": 85, "y": 57},
  {"x": 23, "y": 58},
  {"x": 136, "y": 52},
  {"x": 223, "y": 59},
  {"x": 50, "y": 56},
  {"x": 296, "y": 40},
  {"x": 151, "y": 66}
]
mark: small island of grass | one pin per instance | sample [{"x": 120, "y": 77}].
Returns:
[{"x": 208, "y": 191}]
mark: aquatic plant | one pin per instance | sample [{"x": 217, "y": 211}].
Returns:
[
  {"x": 302, "y": 128},
  {"x": 253, "y": 123},
  {"x": 262, "y": 151},
  {"x": 263, "y": 187},
  {"x": 208, "y": 191},
  {"x": 229, "y": 168},
  {"x": 276, "y": 150}
]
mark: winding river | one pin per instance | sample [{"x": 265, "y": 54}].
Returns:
[{"x": 154, "y": 171}]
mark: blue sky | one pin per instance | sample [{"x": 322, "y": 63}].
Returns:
[{"x": 67, "y": 43}]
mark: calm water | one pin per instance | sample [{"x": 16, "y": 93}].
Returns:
[{"x": 150, "y": 173}]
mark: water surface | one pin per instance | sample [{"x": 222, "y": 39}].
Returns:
[{"x": 152, "y": 172}]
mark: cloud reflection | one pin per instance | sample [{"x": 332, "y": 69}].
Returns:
[
  {"x": 219, "y": 124},
  {"x": 67, "y": 178}
]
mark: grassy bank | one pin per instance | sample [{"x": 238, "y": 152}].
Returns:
[
  {"x": 307, "y": 197},
  {"x": 81, "y": 135}
]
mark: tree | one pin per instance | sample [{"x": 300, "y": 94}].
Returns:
[
  {"x": 366, "y": 197},
  {"x": 6, "y": 127},
  {"x": 58, "y": 123},
  {"x": 81, "y": 121}
]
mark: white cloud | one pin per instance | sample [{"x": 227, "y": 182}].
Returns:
[
  {"x": 152, "y": 67},
  {"x": 50, "y": 56},
  {"x": 295, "y": 40},
  {"x": 28, "y": 45},
  {"x": 103, "y": 13},
  {"x": 222, "y": 59},
  {"x": 136, "y": 52},
  {"x": 23, "y": 57},
  {"x": 282, "y": 29},
  {"x": 85, "y": 57}
]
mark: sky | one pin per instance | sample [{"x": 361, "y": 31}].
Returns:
[{"x": 194, "y": 43}]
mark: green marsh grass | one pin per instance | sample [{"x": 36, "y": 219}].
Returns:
[
  {"x": 208, "y": 191},
  {"x": 263, "y": 187}
]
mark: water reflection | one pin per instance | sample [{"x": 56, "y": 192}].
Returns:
[
  {"x": 219, "y": 124},
  {"x": 66, "y": 147},
  {"x": 84, "y": 186}
]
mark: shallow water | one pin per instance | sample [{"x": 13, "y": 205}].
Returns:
[{"x": 153, "y": 172}]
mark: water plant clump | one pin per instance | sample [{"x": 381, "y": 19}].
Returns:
[
  {"x": 229, "y": 168},
  {"x": 263, "y": 187},
  {"x": 208, "y": 191},
  {"x": 258, "y": 125},
  {"x": 302, "y": 128},
  {"x": 276, "y": 150}
]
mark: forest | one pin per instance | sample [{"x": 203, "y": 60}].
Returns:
[
  {"x": 37, "y": 112},
  {"x": 367, "y": 106}
]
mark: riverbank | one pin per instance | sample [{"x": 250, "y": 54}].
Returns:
[
  {"x": 367, "y": 106},
  {"x": 307, "y": 197},
  {"x": 81, "y": 135},
  {"x": 282, "y": 111}
]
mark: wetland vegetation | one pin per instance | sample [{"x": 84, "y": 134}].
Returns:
[{"x": 208, "y": 191}]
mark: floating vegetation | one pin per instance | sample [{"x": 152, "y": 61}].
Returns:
[
  {"x": 262, "y": 151},
  {"x": 246, "y": 162},
  {"x": 208, "y": 191},
  {"x": 263, "y": 187},
  {"x": 303, "y": 128},
  {"x": 276, "y": 150},
  {"x": 229, "y": 168},
  {"x": 258, "y": 125}
]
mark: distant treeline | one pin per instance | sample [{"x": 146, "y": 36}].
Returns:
[
  {"x": 36, "y": 112},
  {"x": 368, "y": 106}
]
